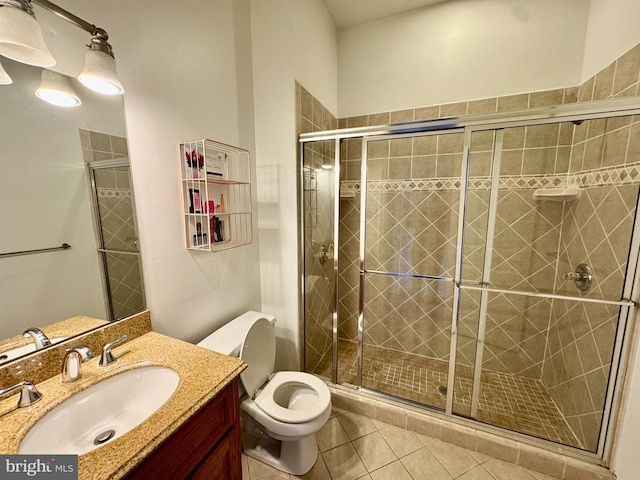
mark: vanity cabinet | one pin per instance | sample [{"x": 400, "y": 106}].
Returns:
[
  {"x": 207, "y": 446},
  {"x": 216, "y": 195}
]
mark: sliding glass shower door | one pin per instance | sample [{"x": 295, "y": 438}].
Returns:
[
  {"x": 486, "y": 271},
  {"x": 410, "y": 195},
  {"x": 546, "y": 310}
]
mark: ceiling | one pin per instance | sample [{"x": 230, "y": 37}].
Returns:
[{"x": 347, "y": 13}]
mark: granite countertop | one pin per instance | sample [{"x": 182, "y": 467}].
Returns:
[
  {"x": 203, "y": 374},
  {"x": 64, "y": 328}
]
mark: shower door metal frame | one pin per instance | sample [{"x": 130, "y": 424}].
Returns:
[{"x": 470, "y": 124}]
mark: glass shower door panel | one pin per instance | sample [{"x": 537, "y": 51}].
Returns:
[
  {"x": 318, "y": 197},
  {"x": 542, "y": 363},
  {"x": 520, "y": 236},
  {"x": 413, "y": 195},
  {"x": 407, "y": 337},
  {"x": 546, "y": 366}
]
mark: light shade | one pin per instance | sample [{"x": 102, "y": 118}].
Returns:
[
  {"x": 21, "y": 38},
  {"x": 56, "y": 89},
  {"x": 99, "y": 73},
  {"x": 5, "y": 79}
]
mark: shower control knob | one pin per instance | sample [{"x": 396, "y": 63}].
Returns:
[{"x": 581, "y": 277}]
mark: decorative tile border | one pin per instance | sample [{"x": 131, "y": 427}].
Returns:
[
  {"x": 114, "y": 193},
  {"x": 623, "y": 175}
]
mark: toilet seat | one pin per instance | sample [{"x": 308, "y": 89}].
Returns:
[
  {"x": 265, "y": 400},
  {"x": 258, "y": 352}
]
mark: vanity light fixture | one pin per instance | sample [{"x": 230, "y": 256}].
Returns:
[
  {"x": 56, "y": 89},
  {"x": 5, "y": 79},
  {"x": 21, "y": 39},
  {"x": 99, "y": 72}
]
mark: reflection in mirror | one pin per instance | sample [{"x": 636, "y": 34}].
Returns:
[{"x": 48, "y": 199}]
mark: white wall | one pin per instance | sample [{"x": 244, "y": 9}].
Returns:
[
  {"x": 187, "y": 74},
  {"x": 460, "y": 50},
  {"x": 613, "y": 30},
  {"x": 292, "y": 40}
]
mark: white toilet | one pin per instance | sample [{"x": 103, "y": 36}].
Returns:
[{"x": 280, "y": 412}]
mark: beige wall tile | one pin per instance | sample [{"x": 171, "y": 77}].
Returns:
[
  {"x": 453, "y": 109},
  {"x": 380, "y": 119},
  {"x": 496, "y": 447},
  {"x": 627, "y": 70},
  {"x": 487, "y": 105},
  {"x": 513, "y": 102},
  {"x": 402, "y": 116},
  {"x": 541, "y": 460},
  {"x": 575, "y": 470},
  {"x": 391, "y": 414},
  {"x": 401, "y": 147},
  {"x": 603, "y": 88},
  {"x": 546, "y": 98},
  {"x": 462, "y": 436},
  {"x": 427, "y": 113}
]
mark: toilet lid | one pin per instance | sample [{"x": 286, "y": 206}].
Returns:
[{"x": 258, "y": 351}]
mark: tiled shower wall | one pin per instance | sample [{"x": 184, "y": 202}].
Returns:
[
  {"x": 595, "y": 230},
  {"x": 526, "y": 336},
  {"x": 118, "y": 223}
]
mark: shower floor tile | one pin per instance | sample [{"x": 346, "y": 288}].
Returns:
[{"x": 517, "y": 403}]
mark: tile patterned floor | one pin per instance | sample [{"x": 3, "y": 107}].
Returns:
[
  {"x": 353, "y": 446},
  {"x": 518, "y": 403}
]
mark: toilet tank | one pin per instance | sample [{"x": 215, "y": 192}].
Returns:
[{"x": 228, "y": 338}]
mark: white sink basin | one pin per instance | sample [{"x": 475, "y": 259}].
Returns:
[
  {"x": 20, "y": 351},
  {"x": 102, "y": 412}
]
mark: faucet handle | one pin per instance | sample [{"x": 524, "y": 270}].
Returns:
[
  {"x": 29, "y": 394},
  {"x": 71, "y": 369},
  {"x": 107, "y": 357}
]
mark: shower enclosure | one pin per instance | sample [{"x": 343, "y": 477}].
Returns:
[{"x": 481, "y": 266}]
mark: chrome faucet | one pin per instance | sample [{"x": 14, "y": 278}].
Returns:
[
  {"x": 29, "y": 394},
  {"x": 107, "y": 357},
  {"x": 71, "y": 366},
  {"x": 39, "y": 338}
]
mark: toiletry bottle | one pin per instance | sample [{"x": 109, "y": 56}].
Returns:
[{"x": 222, "y": 203}]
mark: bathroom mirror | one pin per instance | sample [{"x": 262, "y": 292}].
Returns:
[{"x": 50, "y": 197}]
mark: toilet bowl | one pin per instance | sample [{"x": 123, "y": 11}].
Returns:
[{"x": 280, "y": 412}]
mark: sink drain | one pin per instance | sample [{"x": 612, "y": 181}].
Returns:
[{"x": 104, "y": 437}]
